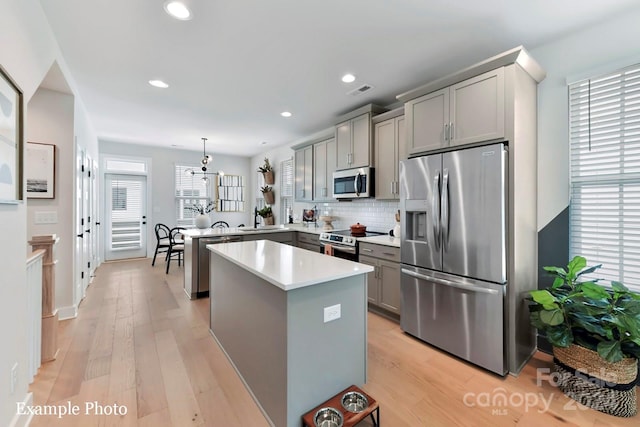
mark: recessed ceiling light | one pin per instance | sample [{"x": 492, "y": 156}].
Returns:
[
  {"x": 158, "y": 83},
  {"x": 348, "y": 78},
  {"x": 285, "y": 114},
  {"x": 264, "y": 143},
  {"x": 178, "y": 10}
]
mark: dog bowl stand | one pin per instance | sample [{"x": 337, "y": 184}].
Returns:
[{"x": 350, "y": 418}]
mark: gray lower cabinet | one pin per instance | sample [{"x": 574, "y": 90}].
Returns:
[
  {"x": 283, "y": 237},
  {"x": 308, "y": 241},
  {"x": 384, "y": 282}
]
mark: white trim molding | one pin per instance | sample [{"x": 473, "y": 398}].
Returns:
[
  {"x": 22, "y": 419},
  {"x": 68, "y": 312}
]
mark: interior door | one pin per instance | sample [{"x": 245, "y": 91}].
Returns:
[
  {"x": 125, "y": 208},
  {"x": 474, "y": 213},
  {"x": 88, "y": 232},
  {"x": 79, "y": 261}
]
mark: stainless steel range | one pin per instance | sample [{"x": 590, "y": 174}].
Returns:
[{"x": 344, "y": 244}]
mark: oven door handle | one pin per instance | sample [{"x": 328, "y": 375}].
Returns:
[{"x": 347, "y": 249}]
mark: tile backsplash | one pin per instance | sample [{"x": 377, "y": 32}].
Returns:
[{"x": 375, "y": 214}]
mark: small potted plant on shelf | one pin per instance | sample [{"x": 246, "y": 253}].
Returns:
[
  {"x": 267, "y": 214},
  {"x": 202, "y": 219},
  {"x": 267, "y": 172},
  {"x": 595, "y": 334},
  {"x": 267, "y": 193}
]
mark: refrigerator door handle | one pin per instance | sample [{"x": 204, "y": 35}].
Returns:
[
  {"x": 444, "y": 222},
  {"x": 449, "y": 283},
  {"x": 435, "y": 207}
]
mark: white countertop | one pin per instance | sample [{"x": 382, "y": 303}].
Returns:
[
  {"x": 285, "y": 266},
  {"x": 383, "y": 239},
  {"x": 196, "y": 233}
]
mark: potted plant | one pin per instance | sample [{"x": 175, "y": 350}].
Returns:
[
  {"x": 202, "y": 220},
  {"x": 595, "y": 334},
  {"x": 267, "y": 172},
  {"x": 267, "y": 193},
  {"x": 267, "y": 214}
]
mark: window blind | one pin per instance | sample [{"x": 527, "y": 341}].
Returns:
[
  {"x": 286, "y": 188},
  {"x": 126, "y": 212},
  {"x": 190, "y": 190},
  {"x": 604, "y": 127}
]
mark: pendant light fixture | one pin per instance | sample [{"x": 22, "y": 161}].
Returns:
[{"x": 204, "y": 163}]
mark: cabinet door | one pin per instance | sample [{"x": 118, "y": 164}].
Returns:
[
  {"x": 372, "y": 278},
  {"x": 304, "y": 174},
  {"x": 331, "y": 166},
  {"x": 308, "y": 173},
  {"x": 385, "y": 155},
  {"x": 425, "y": 121},
  {"x": 361, "y": 141},
  {"x": 320, "y": 183},
  {"x": 401, "y": 139},
  {"x": 343, "y": 145},
  {"x": 477, "y": 108},
  {"x": 389, "y": 293}
]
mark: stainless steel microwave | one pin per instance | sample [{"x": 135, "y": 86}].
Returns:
[{"x": 353, "y": 183}]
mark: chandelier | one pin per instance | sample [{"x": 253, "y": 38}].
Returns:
[{"x": 206, "y": 160}]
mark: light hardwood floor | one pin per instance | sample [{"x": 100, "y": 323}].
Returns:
[{"x": 139, "y": 342}]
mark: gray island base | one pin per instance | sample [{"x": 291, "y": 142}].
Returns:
[{"x": 268, "y": 304}]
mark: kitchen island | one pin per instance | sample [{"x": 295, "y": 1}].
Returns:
[{"x": 271, "y": 311}]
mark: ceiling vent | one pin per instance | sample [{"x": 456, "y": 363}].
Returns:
[{"x": 362, "y": 89}]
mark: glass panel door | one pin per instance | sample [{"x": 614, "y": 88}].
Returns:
[{"x": 126, "y": 216}]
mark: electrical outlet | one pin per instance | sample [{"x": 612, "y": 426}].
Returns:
[
  {"x": 14, "y": 377},
  {"x": 331, "y": 313}
]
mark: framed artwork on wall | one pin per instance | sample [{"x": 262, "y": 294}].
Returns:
[
  {"x": 41, "y": 170},
  {"x": 11, "y": 136}
]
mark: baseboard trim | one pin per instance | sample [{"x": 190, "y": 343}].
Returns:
[
  {"x": 68, "y": 312},
  {"x": 23, "y": 420}
]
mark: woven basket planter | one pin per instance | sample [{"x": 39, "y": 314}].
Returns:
[
  {"x": 269, "y": 197},
  {"x": 268, "y": 177},
  {"x": 269, "y": 220},
  {"x": 592, "y": 381}
]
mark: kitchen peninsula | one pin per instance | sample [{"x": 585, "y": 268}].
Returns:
[{"x": 292, "y": 322}]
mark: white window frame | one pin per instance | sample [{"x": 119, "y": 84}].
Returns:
[
  {"x": 286, "y": 188},
  {"x": 604, "y": 134}
]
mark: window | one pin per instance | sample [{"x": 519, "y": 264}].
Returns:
[
  {"x": 119, "y": 199},
  {"x": 286, "y": 188},
  {"x": 604, "y": 126},
  {"x": 190, "y": 190}
]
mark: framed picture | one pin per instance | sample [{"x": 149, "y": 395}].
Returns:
[
  {"x": 41, "y": 170},
  {"x": 11, "y": 135}
]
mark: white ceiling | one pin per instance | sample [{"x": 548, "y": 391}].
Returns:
[{"x": 237, "y": 64}]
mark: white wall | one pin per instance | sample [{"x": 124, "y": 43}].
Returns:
[
  {"x": 163, "y": 160},
  {"x": 597, "y": 49},
  {"x": 28, "y": 51},
  {"x": 51, "y": 118}
]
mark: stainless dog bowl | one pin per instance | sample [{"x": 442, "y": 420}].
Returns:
[
  {"x": 328, "y": 417},
  {"x": 354, "y": 402}
]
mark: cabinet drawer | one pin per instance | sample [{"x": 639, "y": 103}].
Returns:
[
  {"x": 309, "y": 238},
  {"x": 389, "y": 253}
]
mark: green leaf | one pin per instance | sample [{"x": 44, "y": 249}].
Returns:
[
  {"x": 556, "y": 270},
  {"x": 589, "y": 270},
  {"x": 610, "y": 351},
  {"x": 575, "y": 265},
  {"x": 560, "y": 336},
  {"x": 552, "y": 317},
  {"x": 558, "y": 282},
  {"x": 630, "y": 324},
  {"x": 589, "y": 323},
  {"x": 593, "y": 291},
  {"x": 619, "y": 287},
  {"x": 545, "y": 298}
]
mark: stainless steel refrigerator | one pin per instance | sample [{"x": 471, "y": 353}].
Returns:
[{"x": 454, "y": 252}]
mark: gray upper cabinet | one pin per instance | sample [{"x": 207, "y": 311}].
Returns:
[
  {"x": 467, "y": 112},
  {"x": 477, "y": 109},
  {"x": 304, "y": 174},
  {"x": 324, "y": 164},
  {"x": 426, "y": 118},
  {"x": 353, "y": 142},
  {"x": 390, "y": 148}
]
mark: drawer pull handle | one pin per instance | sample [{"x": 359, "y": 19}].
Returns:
[
  {"x": 367, "y": 250},
  {"x": 388, "y": 254}
]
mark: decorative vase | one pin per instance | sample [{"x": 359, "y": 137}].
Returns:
[
  {"x": 203, "y": 221},
  {"x": 588, "y": 379},
  {"x": 270, "y": 220},
  {"x": 397, "y": 230},
  {"x": 269, "y": 197},
  {"x": 268, "y": 177}
]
